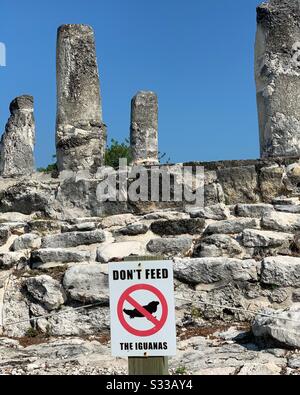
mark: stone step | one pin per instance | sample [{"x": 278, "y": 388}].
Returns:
[
  {"x": 73, "y": 239},
  {"x": 60, "y": 255}
]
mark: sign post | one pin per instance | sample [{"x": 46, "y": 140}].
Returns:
[
  {"x": 143, "y": 314},
  {"x": 156, "y": 366}
]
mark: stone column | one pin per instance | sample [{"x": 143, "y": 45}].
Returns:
[
  {"x": 18, "y": 140},
  {"x": 277, "y": 72},
  {"x": 144, "y": 128},
  {"x": 80, "y": 132}
]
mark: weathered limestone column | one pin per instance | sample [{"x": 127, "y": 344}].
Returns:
[
  {"x": 18, "y": 140},
  {"x": 277, "y": 71},
  {"x": 144, "y": 128},
  {"x": 80, "y": 132}
]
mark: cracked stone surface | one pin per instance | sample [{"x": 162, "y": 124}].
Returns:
[
  {"x": 144, "y": 128},
  {"x": 80, "y": 132},
  {"x": 277, "y": 70},
  {"x": 229, "y": 352},
  {"x": 18, "y": 141}
]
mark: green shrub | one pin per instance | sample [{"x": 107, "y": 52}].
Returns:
[
  {"x": 181, "y": 370},
  {"x": 113, "y": 154},
  {"x": 31, "y": 332},
  {"x": 50, "y": 168},
  {"x": 117, "y": 151}
]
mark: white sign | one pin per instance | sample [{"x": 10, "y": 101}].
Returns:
[{"x": 142, "y": 309}]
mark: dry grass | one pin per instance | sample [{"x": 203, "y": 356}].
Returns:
[
  {"x": 208, "y": 331},
  {"x": 55, "y": 272}
]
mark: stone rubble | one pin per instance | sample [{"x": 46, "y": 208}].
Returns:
[
  {"x": 244, "y": 268},
  {"x": 254, "y": 210},
  {"x": 262, "y": 238},
  {"x": 25, "y": 242},
  {"x": 73, "y": 239},
  {"x": 218, "y": 245},
  {"x": 59, "y": 255},
  {"x": 213, "y": 270},
  {"x": 47, "y": 291},
  {"x": 87, "y": 283},
  {"x": 283, "y": 326},
  {"x": 178, "y": 227},
  {"x": 216, "y": 212},
  {"x": 171, "y": 246},
  {"x": 232, "y": 352},
  {"x": 107, "y": 253},
  {"x": 233, "y": 226},
  {"x": 76, "y": 197},
  {"x": 281, "y": 271},
  {"x": 17, "y": 260},
  {"x": 282, "y": 222}
]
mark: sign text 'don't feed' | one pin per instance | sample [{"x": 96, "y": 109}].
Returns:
[{"x": 142, "y": 309}]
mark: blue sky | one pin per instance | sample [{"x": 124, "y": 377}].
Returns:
[{"x": 197, "y": 55}]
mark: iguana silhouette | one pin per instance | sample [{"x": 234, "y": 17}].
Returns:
[{"x": 151, "y": 308}]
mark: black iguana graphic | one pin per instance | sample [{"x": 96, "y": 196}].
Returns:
[{"x": 151, "y": 308}]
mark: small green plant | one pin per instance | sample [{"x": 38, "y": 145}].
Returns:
[
  {"x": 270, "y": 287},
  {"x": 181, "y": 370},
  {"x": 31, "y": 332},
  {"x": 48, "y": 331},
  {"x": 274, "y": 287},
  {"x": 113, "y": 154},
  {"x": 196, "y": 313},
  {"x": 117, "y": 151},
  {"x": 50, "y": 168}
]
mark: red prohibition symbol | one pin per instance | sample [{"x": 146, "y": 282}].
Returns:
[{"x": 157, "y": 324}]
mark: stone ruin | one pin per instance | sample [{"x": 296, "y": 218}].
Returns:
[
  {"x": 80, "y": 131},
  {"x": 144, "y": 128},
  {"x": 277, "y": 71},
  {"x": 17, "y": 143},
  {"x": 237, "y": 256}
]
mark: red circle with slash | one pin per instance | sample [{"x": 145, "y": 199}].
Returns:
[{"x": 157, "y": 324}]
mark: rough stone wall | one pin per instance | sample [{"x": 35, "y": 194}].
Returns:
[
  {"x": 277, "y": 71},
  {"x": 75, "y": 194},
  {"x": 246, "y": 257},
  {"x": 241, "y": 250},
  {"x": 80, "y": 134}
]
